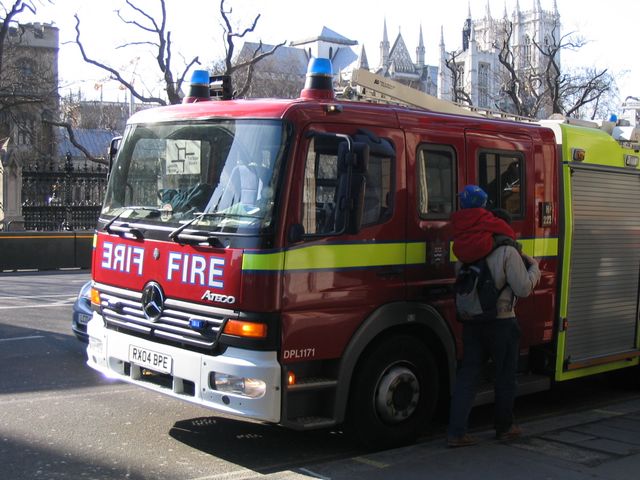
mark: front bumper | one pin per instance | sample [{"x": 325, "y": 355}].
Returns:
[{"x": 189, "y": 378}]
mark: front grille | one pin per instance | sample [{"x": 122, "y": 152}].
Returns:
[{"x": 122, "y": 311}]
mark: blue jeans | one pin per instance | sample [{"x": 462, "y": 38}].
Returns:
[{"x": 498, "y": 339}]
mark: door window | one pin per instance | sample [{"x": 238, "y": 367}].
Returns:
[
  {"x": 501, "y": 175},
  {"x": 436, "y": 189}
]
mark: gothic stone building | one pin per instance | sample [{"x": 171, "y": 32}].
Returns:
[
  {"x": 282, "y": 75},
  {"x": 479, "y": 71},
  {"x": 28, "y": 95}
]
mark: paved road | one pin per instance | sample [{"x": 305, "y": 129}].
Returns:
[{"x": 61, "y": 420}]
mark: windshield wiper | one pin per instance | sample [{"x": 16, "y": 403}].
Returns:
[
  {"x": 125, "y": 228},
  {"x": 198, "y": 238},
  {"x": 177, "y": 235}
]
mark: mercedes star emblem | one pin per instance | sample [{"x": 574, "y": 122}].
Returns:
[{"x": 152, "y": 301}]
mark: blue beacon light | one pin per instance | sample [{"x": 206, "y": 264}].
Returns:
[
  {"x": 319, "y": 82},
  {"x": 198, "y": 87}
]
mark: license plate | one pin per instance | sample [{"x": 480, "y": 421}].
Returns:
[
  {"x": 83, "y": 318},
  {"x": 156, "y": 361}
]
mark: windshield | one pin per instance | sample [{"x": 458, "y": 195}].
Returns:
[{"x": 173, "y": 173}]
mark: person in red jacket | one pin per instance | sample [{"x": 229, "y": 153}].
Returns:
[
  {"x": 480, "y": 233},
  {"x": 474, "y": 227}
]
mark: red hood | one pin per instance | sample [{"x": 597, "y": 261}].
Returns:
[{"x": 473, "y": 231}]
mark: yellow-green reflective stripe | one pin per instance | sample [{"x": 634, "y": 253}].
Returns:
[
  {"x": 338, "y": 256},
  {"x": 263, "y": 261},
  {"x": 416, "y": 253},
  {"x": 540, "y": 247},
  {"x": 536, "y": 247}
]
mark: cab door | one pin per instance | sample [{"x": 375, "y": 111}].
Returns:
[
  {"x": 503, "y": 165},
  {"x": 435, "y": 173},
  {"x": 333, "y": 278}
]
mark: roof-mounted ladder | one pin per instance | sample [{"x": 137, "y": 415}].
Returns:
[{"x": 374, "y": 88}]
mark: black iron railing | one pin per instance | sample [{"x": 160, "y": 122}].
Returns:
[{"x": 62, "y": 196}]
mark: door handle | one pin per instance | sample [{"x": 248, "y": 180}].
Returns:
[{"x": 390, "y": 272}]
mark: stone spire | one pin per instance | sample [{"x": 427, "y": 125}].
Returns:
[
  {"x": 420, "y": 51},
  {"x": 384, "y": 47},
  {"x": 362, "y": 61},
  {"x": 443, "y": 84},
  {"x": 487, "y": 12},
  {"x": 466, "y": 30}
]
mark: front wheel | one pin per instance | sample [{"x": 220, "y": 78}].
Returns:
[{"x": 394, "y": 393}]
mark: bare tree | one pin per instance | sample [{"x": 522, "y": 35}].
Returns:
[
  {"x": 160, "y": 38},
  {"x": 247, "y": 63},
  {"x": 522, "y": 89},
  {"x": 271, "y": 78},
  {"x": 459, "y": 93},
  {"x": 591, "y": 94},
  {"x": 543, "y": 87}
]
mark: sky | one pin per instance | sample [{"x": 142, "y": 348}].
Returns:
[{"x": 610, "y": 28}]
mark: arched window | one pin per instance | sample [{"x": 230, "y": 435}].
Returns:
[{"x": 527, "y": 51}]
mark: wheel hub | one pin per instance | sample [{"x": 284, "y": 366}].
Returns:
[{"x": 397, "y": 394}]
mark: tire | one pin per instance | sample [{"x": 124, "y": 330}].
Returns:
[{"x": 394, "y": 393}]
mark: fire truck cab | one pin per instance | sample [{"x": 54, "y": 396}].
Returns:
[{"x": 290, "y": 260}]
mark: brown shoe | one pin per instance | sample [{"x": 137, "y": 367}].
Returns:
[
  {"x": 514, "y": 432},
  {"x": 464, "y": 441}
]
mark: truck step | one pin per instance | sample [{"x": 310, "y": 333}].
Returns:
[
  {"x": 526, "y": 384},
  {"x": 310, "y": 423},
  {"x": 315, "y": 383}
]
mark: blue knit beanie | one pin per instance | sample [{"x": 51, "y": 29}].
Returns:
[{"x": 473, "y": 197}]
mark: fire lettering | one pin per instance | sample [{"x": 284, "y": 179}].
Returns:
[
  {"x": 196, "y": 270},
  {"x": 122, "y": 258}
]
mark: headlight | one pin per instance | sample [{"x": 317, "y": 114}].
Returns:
[
  {"x": 247, "y": 387},
  {"x": 85, "y": 292}
]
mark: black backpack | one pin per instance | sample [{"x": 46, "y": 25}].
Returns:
[{"x": 476, "y": 292}]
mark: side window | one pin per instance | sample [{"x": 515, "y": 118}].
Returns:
[
  {"x": 436, "y": 174},
  {"x": 321, "y": 185},
  {"x": 501, "y": 175},
  {"x": 320, "y": 188}
]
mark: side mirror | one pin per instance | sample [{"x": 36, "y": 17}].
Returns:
[
  {"x": 112, "y": 151},
  {"x": 355, "y": 159},
  {"x": 352, "y": 167},
  {"x": 356, "y": 208},
  {"x": 361, "y": 153}
]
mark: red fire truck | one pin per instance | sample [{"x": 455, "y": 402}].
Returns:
[{"x": 290, "y": 260}]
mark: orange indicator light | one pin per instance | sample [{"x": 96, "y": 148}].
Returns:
[
  {"x": 245, "y": 329},
  {"x": 95, "y": 297}
]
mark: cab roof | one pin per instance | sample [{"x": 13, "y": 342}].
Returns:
[{"x": 215, "y": 109}]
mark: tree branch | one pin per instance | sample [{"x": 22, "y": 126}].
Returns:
[
  {"x": 114, "y": 73},
  {"x": 75, "y": 143}
]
